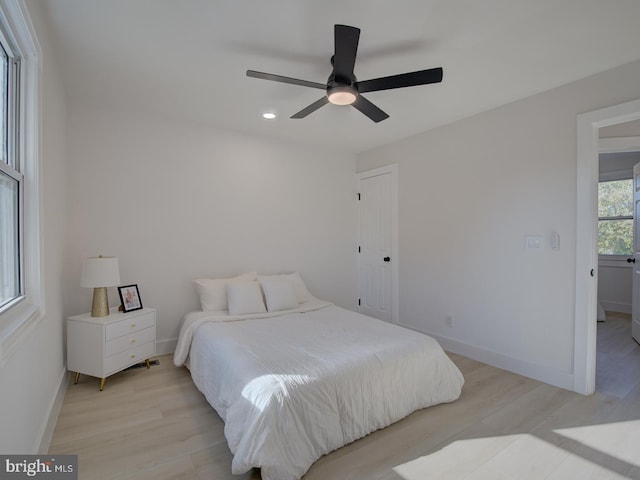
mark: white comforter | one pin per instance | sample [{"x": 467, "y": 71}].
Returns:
[{"x": 296, "y": 385}]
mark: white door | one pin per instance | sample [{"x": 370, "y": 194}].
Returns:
[
  {"x": 376, "y": 246},
  {"x": 635, "y": 307}
]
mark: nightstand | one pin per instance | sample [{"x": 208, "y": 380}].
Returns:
[{"x": 102, "y": 346}]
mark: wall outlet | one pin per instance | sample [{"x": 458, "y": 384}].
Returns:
[{"x": 449, "y": 320}]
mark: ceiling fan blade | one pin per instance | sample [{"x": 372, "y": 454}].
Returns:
[
  {"x": 311, "y": 108},
  {"x": 369, "y": 109},
  {"x": 281, "y": 79},
  {"x": 422, "y": 77},
  {"x": 346, "y": 47}
]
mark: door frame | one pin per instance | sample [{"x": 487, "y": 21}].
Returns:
[
  {"x": 588, "y": 150},
  {"x": 395, "y": 270}
]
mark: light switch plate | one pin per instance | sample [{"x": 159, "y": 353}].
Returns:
[{"x": 533, "y": 242}]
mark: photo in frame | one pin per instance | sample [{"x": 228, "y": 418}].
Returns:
[{"x": 130, "y": 298}]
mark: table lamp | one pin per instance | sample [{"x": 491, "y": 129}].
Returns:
[{"x": 99, "y": 273}]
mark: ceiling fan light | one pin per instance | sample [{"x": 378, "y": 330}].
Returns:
[{"x": 342, "y": 95}]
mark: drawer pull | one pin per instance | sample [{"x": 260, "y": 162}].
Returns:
[
  {"x": 133, "y": 356},
  {"x": 133, "y": 325},
  {"x": 133, "y": 340}
]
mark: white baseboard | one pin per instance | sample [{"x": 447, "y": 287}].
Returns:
[
  {"x": 55, "y": 406},
  {"x": 541, "y": 373},
  {"x": 164, "y": 347},
  {"x": 616, "y": 306}
]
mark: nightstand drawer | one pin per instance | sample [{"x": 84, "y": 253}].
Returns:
[
  {"x": 133, "y": 324},
  {"x": 129, "y": 357},
  {"x": 130, "y": 340}
]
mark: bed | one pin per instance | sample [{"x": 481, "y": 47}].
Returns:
[{"x": 293, "y": 384}]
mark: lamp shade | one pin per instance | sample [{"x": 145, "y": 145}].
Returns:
[{"x": 100, "y": 272}]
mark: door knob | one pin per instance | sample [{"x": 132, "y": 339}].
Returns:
[
  {"x": 631, "y": 260},
  {"x": 388, "y": 259}
]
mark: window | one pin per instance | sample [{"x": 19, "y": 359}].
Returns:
[
  {"x": 615, "y": 217},
  {"x": 11, "y": 180},
  {"x": 21, "y": 280}
]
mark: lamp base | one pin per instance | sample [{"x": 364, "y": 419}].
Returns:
[{"x": 100, "y": 304}]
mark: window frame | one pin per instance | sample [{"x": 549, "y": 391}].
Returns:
[
  {"x": 614, "y": 260},
  {"x": 19, "y": 318},
  {"x": 11, "y": 162},
  {"x": 19, "y": 179}
]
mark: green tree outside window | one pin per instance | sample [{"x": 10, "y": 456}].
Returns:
[{"x": 615, "y": 217}]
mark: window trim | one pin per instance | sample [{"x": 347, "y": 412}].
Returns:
[
  {"x": 617, "y": 261},
  {"x": 18, "y": 321}
]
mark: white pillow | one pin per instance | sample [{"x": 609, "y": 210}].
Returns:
[
  {"x": 302, "y": 294},
  {"x": 213, "y": 291},
  {"x": 279, "y": 294},
  {"x": 244, "y": 298}
]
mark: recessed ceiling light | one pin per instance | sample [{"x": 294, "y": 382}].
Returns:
[{"x": 269, "y": 115}]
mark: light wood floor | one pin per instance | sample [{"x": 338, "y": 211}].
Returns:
[{"x": 154, "y": 424}]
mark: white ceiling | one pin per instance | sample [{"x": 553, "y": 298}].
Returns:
[{"x": 187, "y": 58}]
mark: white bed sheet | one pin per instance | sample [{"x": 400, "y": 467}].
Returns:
[{"x": 294, "y": 386}]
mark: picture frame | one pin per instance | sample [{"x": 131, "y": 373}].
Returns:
[{"x": 130, "y": 298}]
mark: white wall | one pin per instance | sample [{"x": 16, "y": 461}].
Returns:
[
  {"x": 615, "y": 286},
  {"x": 176, "y": 201},
  {"x": 469, "y": 193},
  {"x": 31, "y": 378}
]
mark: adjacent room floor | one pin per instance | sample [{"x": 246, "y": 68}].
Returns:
[{"x": 154, "y": 424}]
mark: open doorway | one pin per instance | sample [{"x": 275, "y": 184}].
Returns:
[
  {"x": 618, "y": 155},
  {"x": 588, "y": 149},
  {"x": 618, "y": 355}
]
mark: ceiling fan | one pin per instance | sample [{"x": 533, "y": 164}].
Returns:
[{"x": 342, "y": 87}]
